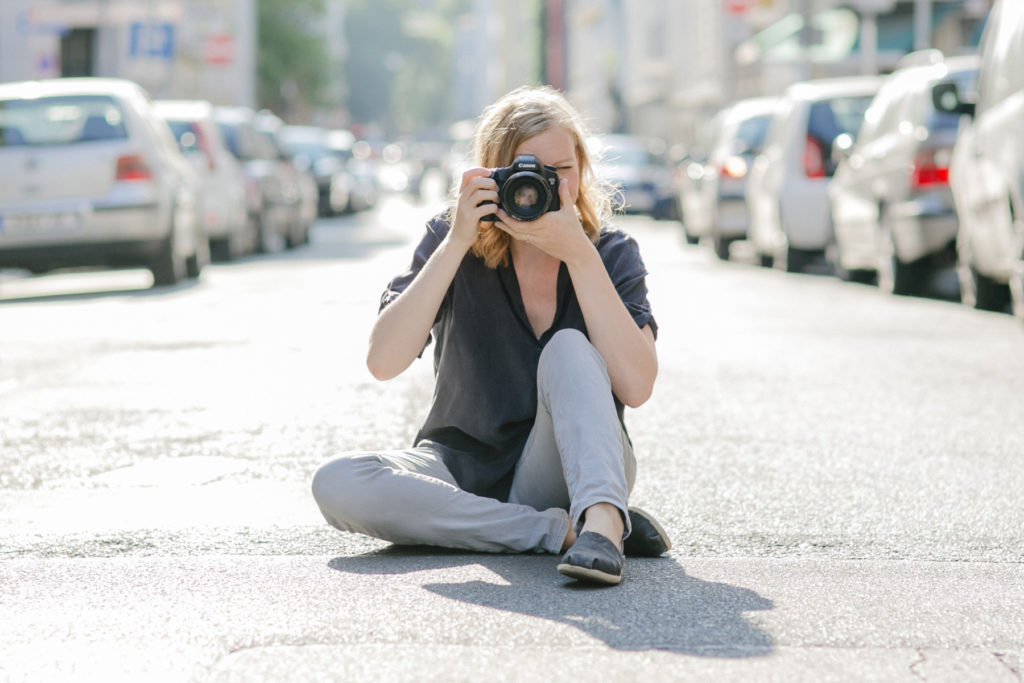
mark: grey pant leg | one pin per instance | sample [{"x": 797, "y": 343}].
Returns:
[
  {"x": 578, "y": 453},
  {"x": 410, "y": 497}
]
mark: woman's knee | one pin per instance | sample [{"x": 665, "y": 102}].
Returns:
[
  {"x": 336, "y": 486},
  {"x": 569, "y": 350}
]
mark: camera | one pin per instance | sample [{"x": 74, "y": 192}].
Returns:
[{"x": 526, "y": 190}]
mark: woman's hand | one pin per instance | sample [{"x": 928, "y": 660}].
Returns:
[
  {"x": 558, "y": 233},
  {"x": 478, "y": 197}
]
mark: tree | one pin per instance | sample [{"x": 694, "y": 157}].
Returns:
[
  {"x": 293, "y": 62},
  {"x": 399, "y": 62}
]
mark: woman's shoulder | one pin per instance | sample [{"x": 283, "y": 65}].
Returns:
[
  {"x": 615, "y": 241},
  {"x": 440, "y": 224}
]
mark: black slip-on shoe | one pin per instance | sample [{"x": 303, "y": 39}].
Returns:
[
  {"x": 647, "y": 538},
  {"x": 593, "y": 558}
]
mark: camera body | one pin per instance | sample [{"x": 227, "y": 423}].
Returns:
[{"x": 526, "y": 190}]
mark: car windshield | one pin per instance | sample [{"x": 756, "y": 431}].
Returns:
[
  {"x": 184, "y": 132},
  {"x": 751, "y": 133},
  {"x": 62, "y": 120},
  {"x": 833, "y": 117}
]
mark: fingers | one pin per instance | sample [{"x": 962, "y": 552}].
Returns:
[
  {"x": 478, "y": 195},
  {"x": 472, "y": 173}
]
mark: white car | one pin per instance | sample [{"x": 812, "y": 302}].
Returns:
[
  {"x": 93, "y": 177},
  {"x": 986, "y": 173},
  {"x": 222, "y": 202},
  {"x": 787, "y": 192},
  {"x": 891, "y": 204},
  {"x": 717, "y": 206}
]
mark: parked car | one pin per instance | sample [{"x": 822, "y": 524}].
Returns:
[
  {"x": 271, "y": 198},
  {"x": 222, "y": 201},
  {"x": 718, "y": 207},
  {"x": 357, "y": 155},
  {"x": 300, "y": 180},
  {"x": 787, "y": 192},
  {"x": 638, "y": 169},
  {"x": 93, "y": 177},
  {"x": 891, "y": 204},
  {"x": 987, "y": 168},
  {"x": 310, "y": 146}
]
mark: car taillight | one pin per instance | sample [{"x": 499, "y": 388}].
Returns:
[
  {"x": 931, "y": 167},
  {"x": 814, "y": 159},
  {"x": 734, "y": 167},
  {"x": 133, "y": 167}
]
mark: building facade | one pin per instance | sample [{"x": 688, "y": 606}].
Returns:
[{"x": 204, "y": 49}]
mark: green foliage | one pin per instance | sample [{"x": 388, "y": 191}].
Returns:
[
  {"x": 293, "y": 63},
  {"x": 399, "y": 61}
]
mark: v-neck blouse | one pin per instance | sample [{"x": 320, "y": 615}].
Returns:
[{"x": 486, "y": 353}]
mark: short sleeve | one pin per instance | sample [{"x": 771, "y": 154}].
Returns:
[
  {"x": 629, "y": 275},
  {"x": 437, "y": 228}
]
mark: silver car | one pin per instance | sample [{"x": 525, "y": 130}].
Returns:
[
  {"x": 717, "y": 206},
  {"x": 93, "y": 177},
  {"x": 222, "y": 200},
  {"x": 986, "y": 173},
  {"x": 891, "y": 204}
]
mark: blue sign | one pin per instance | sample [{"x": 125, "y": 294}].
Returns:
[{"x": 152, "y": 40}]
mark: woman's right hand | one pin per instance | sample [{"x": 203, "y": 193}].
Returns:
[{"x": 478, "y": 197}]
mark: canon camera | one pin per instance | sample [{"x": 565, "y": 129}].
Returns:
[{"x": 526, "y": 190}]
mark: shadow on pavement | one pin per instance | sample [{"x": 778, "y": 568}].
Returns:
[{"x": 657, "y": 606}]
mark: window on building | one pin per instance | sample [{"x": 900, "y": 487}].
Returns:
[{"x": 77, "y": 48}]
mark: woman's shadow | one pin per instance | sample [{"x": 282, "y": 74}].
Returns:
[{"x": 657, "y": 606}]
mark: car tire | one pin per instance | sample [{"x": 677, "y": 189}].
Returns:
[
  {"x": 1016, "y": 285},
  {"x": 199, "y": 259},
  {"x": 896, "y": 276},
  {"x": 720, "y": 244},
  {"x": 168, "y": 268}
]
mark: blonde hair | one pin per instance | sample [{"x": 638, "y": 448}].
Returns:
[{"x": 506, "y": 124}]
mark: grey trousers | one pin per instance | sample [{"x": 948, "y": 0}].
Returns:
[{"x": 577, "y": 455}]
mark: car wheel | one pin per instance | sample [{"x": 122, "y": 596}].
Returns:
[
  {"x": 1017, "y": 274},
  {"x": 894, "y": 275},
  {"x": 199, "y": 259},
  {"x": 268, "y": 242},
  {"x": 168, "y": 268},
  {"x": 721, "y": 245}
]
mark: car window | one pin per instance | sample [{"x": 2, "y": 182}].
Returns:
[
  {"x": 64, "y": 120},
  {"x": 751, "y": 134},
  {"x": 184, "y": 132},
  {"x": 830, "y": 118}
]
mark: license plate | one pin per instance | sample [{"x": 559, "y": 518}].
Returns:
[{"x": 40, "y": 223}]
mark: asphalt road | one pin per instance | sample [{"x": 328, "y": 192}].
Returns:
[{"x": 841, "y": 473}]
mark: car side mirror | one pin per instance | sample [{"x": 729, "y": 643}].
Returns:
[{"x": 946, "y": 98}]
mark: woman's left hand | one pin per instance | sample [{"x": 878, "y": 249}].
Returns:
[{"x": 558, "y": 233}]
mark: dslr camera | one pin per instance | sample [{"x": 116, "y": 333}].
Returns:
[{"x": 526, "y": 189}]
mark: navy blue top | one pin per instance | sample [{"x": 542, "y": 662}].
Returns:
[{"x": 486, "y": 353}]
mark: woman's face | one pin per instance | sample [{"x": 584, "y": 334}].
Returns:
[{"x": 556, "y": 147}]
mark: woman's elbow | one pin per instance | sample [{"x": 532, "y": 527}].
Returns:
[
  {"x": 380, "y": 368},
  {"x": 636, "y": 397}
]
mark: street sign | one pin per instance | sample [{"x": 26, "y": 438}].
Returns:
[{"x": 151, "y": 39}]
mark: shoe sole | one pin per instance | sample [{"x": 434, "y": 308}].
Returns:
[
  {"x": 657, "y": 527},
  {"x": 589, "y": 575}
]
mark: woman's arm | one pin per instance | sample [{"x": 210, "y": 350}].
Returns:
[
  {"x": 403, "y": 326},
  {"x": 628, "y": 350}
]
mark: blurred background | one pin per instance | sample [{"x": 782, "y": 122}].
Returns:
[
  {"x": 396, "y": 68},
  {"x": 738, "y": 119}
]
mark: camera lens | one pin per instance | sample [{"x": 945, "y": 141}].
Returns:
[{"x": 525, "y": 196}]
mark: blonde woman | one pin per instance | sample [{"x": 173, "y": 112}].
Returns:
[{"x": 542, "y": 334}]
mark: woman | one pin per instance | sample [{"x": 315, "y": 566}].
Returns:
[{"x": 543, "y": 332}]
